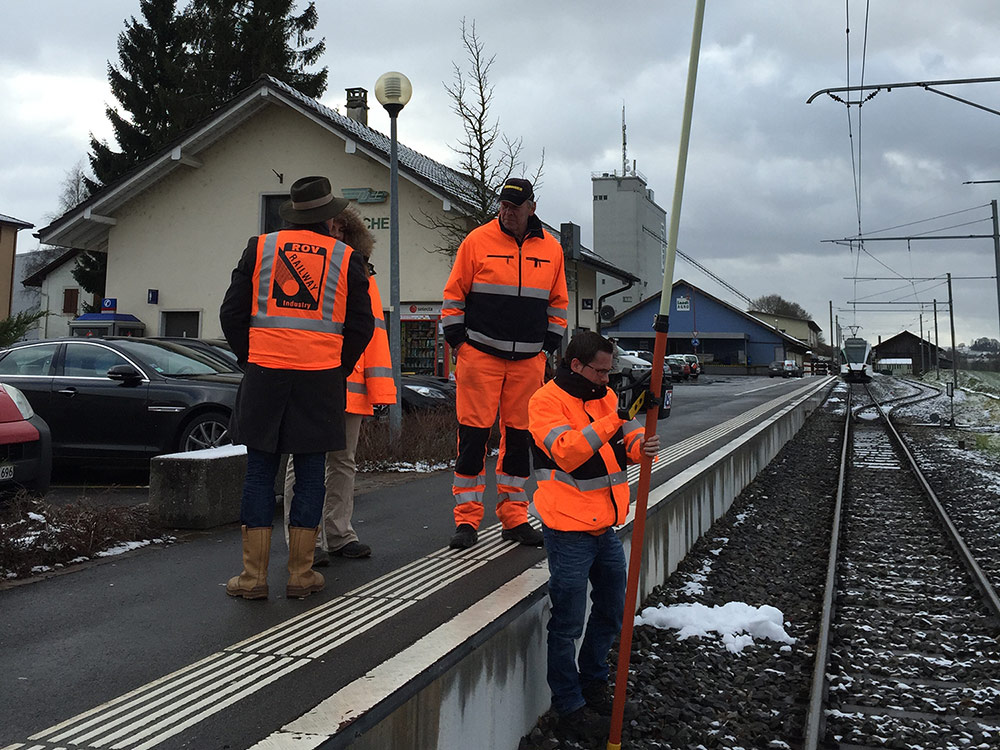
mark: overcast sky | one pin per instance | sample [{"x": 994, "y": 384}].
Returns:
[{"x": 768, "y": 179}]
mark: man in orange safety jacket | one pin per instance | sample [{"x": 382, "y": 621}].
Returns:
[
  {"x": 504, "y": 307},
  {"x": 581, "y": 449}
]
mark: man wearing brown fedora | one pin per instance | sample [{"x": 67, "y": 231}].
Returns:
[{"x": 298, "y": 316}]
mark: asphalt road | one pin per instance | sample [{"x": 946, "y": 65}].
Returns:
[{"x": 85, "y": 637}]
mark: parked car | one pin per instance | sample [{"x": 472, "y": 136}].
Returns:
[
  {"x": 694, "y": 364},
  {"x": 792, "y": 369},
  {"x": 641, "y": 354},
  {"x": 422, "y": 392},
  {"x": 124, "y": 399},
  {"x": 679, "y": 367},
  {"x": 25, "y": 444},
  {"x": 623, "y": 360},
  {"x": 787, "y": 368},
  {"x": 218, "y": 348}
]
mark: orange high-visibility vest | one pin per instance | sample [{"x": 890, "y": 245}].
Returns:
[
  {"x": 300, "y": 301},
  {"x": 371, "y": 380},
  {"x": 581, "y": 449}
]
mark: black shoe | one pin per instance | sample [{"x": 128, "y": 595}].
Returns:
[
  {"x": 320, "y": 558},
  {"x": 353, "y": 550},
  {"x": 600, "y": 697},
  {"x": 465, "y": 537},
  {"x": 584, "y": 724},
  {"x": 523, "y": 534}
]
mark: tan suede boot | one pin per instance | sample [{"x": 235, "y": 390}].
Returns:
[
  {"x": 302, "y": 579},
  {"x": 252, "y": 582}
]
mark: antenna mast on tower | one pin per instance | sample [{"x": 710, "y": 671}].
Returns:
[{"x": 624, "y": 146}]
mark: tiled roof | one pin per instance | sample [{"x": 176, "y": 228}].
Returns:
[{"x": 442, "y": 177}]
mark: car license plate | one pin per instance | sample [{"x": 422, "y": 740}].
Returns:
[{"x": 6, "y": 471}]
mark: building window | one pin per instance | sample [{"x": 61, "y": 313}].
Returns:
[
  {"x": 600, "y": 197},
  {"x": 71, "y": 301},
  {"x": 270, "y": 220}
]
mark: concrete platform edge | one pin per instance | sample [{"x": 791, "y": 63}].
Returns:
[{"x": 486, "y": 684}]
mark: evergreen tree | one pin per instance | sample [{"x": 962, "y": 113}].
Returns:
[
  {"x": 149, "y": 84},
  {"x": 175, "y": 68},
  {"x": 90, "y": 272},
  {"x": 237, "y": 41}
]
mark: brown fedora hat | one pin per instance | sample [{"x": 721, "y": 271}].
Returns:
[{"x": 311, "y": 202}]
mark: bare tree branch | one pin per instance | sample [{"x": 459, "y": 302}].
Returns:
[{"x": 486, "y": 156}]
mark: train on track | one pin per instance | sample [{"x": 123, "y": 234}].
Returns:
[{"x": 856, "y": 360}]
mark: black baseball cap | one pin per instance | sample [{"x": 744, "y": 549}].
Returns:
[{"x": 517, "y": 191}]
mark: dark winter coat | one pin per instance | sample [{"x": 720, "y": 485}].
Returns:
[{"x": 293, "y": 411}]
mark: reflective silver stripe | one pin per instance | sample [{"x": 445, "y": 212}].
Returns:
[
  {"x": 380, "y": 324},
  {"x": 266, "y": 268},
  {"x": 449, "y": 320},
  {"x": 632, "y": 424},
  {"x": 527, "y": 291},
  {"x": 557, "y": 328},
  {"x": 299, "y": 324},
  {"x": 463, "y": 481},
  {"x": 555, "y": 432},
  {"x": 458, "y": 304},
  {"x": 335, "y": 263},
  {"x": 507, "y": 291},
  {"x": 511, "y": 481},
  {"x": 469, "y": 497},
  {"x": 592, "y": 438},
  {"x": 378, "y": 372},
  {"x": 353, "y": 387},
  {"x": 556, "y": 312},
  {"x": 530, "y": 347},
  {"x": 584, "y": 485},
  {"x": 630, "y": 443}
]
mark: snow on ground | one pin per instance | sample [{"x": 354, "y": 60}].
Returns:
[{"x": 737, "y": 623}]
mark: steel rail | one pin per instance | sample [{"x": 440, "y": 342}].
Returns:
[
  {"x": 978, "y": 576},
  {"x": 815, "y": 714}
]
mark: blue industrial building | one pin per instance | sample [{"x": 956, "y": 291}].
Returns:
[{"x": 720, "y": 334}]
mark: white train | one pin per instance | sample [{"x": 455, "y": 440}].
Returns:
[{"x": 856, "y": 360}]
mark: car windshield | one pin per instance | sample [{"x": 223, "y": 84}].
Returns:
[{"x": 169, "y": 358}]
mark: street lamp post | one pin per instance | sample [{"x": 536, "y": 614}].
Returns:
[{"x": 393, "y": 91}]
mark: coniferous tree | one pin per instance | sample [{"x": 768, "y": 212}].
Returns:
[
  {"x": 176, "y": 67},
  {"x": 150, "y": 85}
]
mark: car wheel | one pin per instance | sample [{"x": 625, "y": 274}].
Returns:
[{"x": 208, "y": 430}]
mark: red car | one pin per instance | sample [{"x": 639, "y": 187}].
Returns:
[{"x": 25, "y": 444}]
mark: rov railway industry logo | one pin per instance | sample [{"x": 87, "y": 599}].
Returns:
[
  {"x": 298, "y": 276},
  {"x": 365, "y": 195}
]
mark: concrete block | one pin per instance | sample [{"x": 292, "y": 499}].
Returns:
[{"x": 197, "y": 489}]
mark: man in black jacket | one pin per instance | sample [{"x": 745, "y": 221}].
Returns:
[{"x": 298, "y": 317}]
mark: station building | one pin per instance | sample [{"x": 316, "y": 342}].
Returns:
[
  {"x": 173, "y": 228},
  {"x": 725, "y": 338}
]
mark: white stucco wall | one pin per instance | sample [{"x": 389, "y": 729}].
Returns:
[
  {"x": 184, "y": 235},
  {"x": 56, "y": 323}
]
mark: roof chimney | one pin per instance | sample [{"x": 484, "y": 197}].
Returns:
[{"x": 357, "y": 105}]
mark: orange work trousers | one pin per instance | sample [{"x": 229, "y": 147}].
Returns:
[{"x": 486, "y": 385}]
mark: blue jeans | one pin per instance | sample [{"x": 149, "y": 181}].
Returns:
[
  {"x": 257, "y": 505},
  {"x": 576, "y": 557}
]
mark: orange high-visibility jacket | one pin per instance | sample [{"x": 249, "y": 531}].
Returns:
[
  {"x": 371, "y": 380},
  {"x": 580, "y": 452},
  {"x": 504, "y": 299},
  {"x": 300, "y": 301}
]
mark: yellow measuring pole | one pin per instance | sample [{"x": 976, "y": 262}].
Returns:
[{"x": 656, "y": 385}]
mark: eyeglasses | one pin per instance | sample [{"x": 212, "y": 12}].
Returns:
[{"x": 602, "y": 373}]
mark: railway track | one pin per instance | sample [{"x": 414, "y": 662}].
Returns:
[{"x": 909, "y": 646}]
